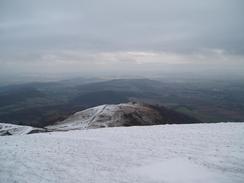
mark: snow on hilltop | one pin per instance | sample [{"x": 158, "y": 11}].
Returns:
[
  {"x": 202, "y": 153},
  {"x": 127, "y": 114}
]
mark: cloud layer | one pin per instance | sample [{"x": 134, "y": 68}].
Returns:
[{"x": 80, "y": 35}]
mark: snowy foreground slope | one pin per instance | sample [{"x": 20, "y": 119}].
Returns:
[{"x": 202, "y": 153}]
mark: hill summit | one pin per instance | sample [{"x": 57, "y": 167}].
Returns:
[{"x": 125, "y": 114}]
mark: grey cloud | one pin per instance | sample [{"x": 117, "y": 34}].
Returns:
[{"x": 32, "y": 29}]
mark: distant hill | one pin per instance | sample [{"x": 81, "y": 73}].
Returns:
[{"x": 126, "y": 114}]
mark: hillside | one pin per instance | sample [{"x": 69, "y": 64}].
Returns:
[{"x": 126, "y": 114}]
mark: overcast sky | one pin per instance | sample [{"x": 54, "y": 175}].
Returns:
[{"x": 62, "y": 36}]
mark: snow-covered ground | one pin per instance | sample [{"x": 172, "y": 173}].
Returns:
[
  {"x": 199, "y": 153},
  {"x": 11, "y": 129}
]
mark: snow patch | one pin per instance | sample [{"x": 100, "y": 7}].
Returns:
[
  {"x": 178, "y": 170},
  {"x": 96, "y": 117},
  {"x": 10, "y": 129}
]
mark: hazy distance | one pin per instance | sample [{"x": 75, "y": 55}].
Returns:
[{"x": 61, "y": 38}]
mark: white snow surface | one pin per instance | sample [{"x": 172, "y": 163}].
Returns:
[
  {"x": 82, "y": 119},
  {"x": 12, "y": 129},
  {"x": 191, "y": 153}
]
